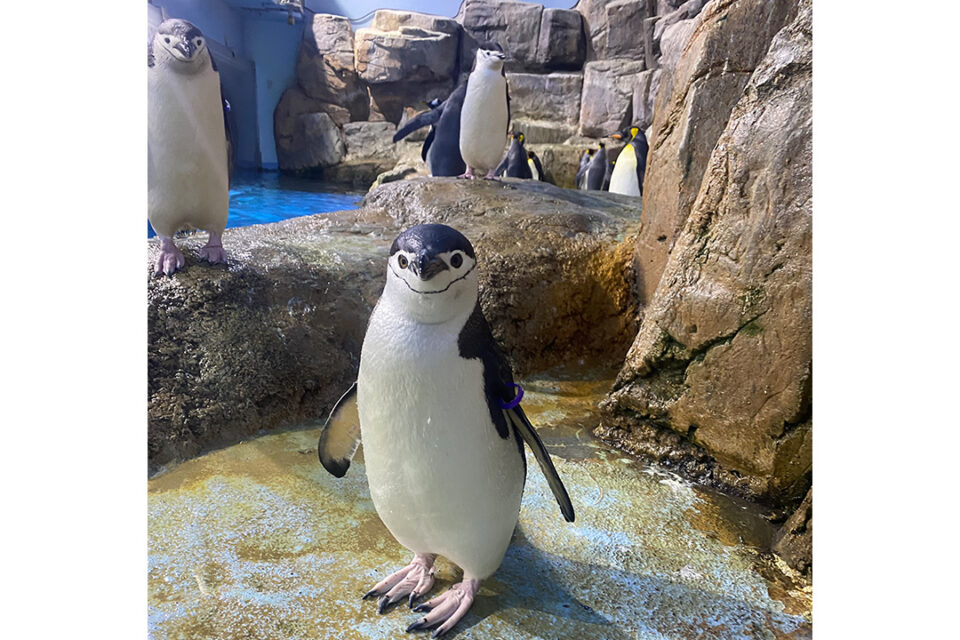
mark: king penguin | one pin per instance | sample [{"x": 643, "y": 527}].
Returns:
[
  {"x": 627, "y": 176},
  {"x": 536, "y": 169},
  {"x": 514, "y": 164},
  {"x": 593, "y": 176},
  {"x": 442, "y": 426},
  {"x": 187, "y": 173},
  {"x": 441, "y": 149},
  {"x": 486, "y": 115}
]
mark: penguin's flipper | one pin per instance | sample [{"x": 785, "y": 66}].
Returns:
[
  {"x": 341, "y": 434},
  {"x": 419, "y": 122},
  {"x": 427, "y": 143},
  {"x": 529, "y": 434},
  {"x": 502, "y": 166}
]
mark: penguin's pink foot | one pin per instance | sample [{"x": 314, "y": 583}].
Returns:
[
  {"x": 170, "y": 258},
  {"x": 447, "y": 609},
  {"x": 467, "y": 174},
  {"x": 491, "y": 175},
  {"x": 411, "y": 582},
  {"x": 213, "y": 251}
]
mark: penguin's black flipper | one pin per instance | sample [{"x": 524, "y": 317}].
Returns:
[
  {"x": 341, "y": 434},
  {"x": 502, "y": 166},
  {"x": 426, "y": 143},
  {"x": 420, "y": 121},
  {"x": 529, "y": 434}
]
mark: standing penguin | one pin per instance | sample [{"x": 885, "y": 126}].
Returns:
[
  {"x": 187, "y": 174},
  {"x": 515, "y": 164},
  {"x": 536, "y": 169},
  {"x": 593, "y": 176},
  {"x": 627, "y": 176},
  {"x": 485, "y": 115},
  {"x": 582, "y": 170},
  {"x": 442, "y": 425},
  {"x": 441, "y": 149}
]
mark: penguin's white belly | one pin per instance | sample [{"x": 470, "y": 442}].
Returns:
[
  {"x": 533, "y": 169},
  {"x": 441, "y": 478},
  {"x": 483, "y": 120},
  {"x": 187, "y": 155},
  {"x": 624, "y": 177}
]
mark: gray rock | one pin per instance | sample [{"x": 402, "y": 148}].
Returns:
[
  {"x": 685, "y": 11},
  {"x": 625, "y": 20},
  {"x": 391, "y": 20},
  {"x": 674, "y": 40},
  {"x": 543, "y": 131},
  {"x": 606, "y": 104},
  {"x": 515, "y": 26},
  {"x": 594, "y": 14},
  {"x": 325, "y": 65},
  {"x": 274, "y": 337},
  {"x": 644, "y": 96},
  {"x": 364, "y": 140},
  {"x": 560, "y": 162},
  {"x": 410, "y": 55},
  {"x": 315, "y": 142},
  {"x": 693, "y": 105},
  {"x": 399, "y": 172},
  {"x": 388, "y": 100},
  {"x": 552, "y": 96},
  {"x": 718, "y": 380},
  {"x": 562, "y": 45}
]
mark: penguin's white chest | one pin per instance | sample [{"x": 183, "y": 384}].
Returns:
[
  {"x": 533, "y": 169},
  {"x": 483, "y": 120},
  {"x": 624, "y": 177},
  {"x": 187, "y": 153},
  {"x": 441, "y": 478}
]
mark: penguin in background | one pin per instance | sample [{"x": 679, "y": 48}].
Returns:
[
  {"x": 187, "y": 148},
  {"x": 596, "y": 170},
  {"x": 442, "y": 426},
  {"x": 584, "y": 163},
  {"x": 485, "y": 117},
  {"x": 515, "y": 164},
  {"x": 631, "y": 166},
  {"x": 536, "y": 169},
  {"x": 441, "y": 149}
]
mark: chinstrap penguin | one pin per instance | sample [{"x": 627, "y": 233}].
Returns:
[
  {"x": 187, "y": 168},
  {"x": 485, "y": 115},
  {"x": 441, "y": 424},
  {"x": 441, "y": 149},
  {"x": 515, "y": 164},
  {"x": 627, "y": 176}
]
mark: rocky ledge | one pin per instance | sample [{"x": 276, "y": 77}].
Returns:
[{"x": 273, "y": 338}]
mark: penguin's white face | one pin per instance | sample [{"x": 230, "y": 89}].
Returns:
[
  {"x": 431, "y": 274},
  {"x": 488, "y": 59},
  {"x": 180, "y": 45}
]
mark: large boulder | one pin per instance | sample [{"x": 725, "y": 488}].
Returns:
[
  {"x": 552, "y": 96},
  {"x": 644, "y": 97},
  {"x": 606, "y": 104},
  {"x": 391, "y": 20},
  {"x": 315, "y": 141},
  {"x": 273, "y": 338},
  {"x": 692, "y": 109},
  {"x": 389, "y": 100},
  {"x": 560, "y": 161},
  {"x": 794, "y": 541},
  {"x": 625, "y": 20},
  {"x": 325, "y": 64},
  {"x": 543, "y": 131},
  {"x": 718, "y": 380},
  {"x": 561, "y": 45},
  {"x": 515, "y": 26},
  {"x": 410, "y": 54}
]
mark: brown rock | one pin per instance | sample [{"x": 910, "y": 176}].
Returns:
[
  {"x": 515, "y": 26},
  {"x": 410, "y": 55},
  {"x": 644, "y": 95},
  {"x": 543, "y": 131},
  {"x": 552, "y": 96},
  {"x": 325, "y": 65},
  {"x": 560, "y": 161},
  {"x": 794, "y": 541},
  {"x": 314, "y": 142},
  {"x": 389, "y": 99},
  {"x": 692, "y": 108},
  {"x": 390, "y": 20},
  {"x": 561, "y": 45},
  {"x": 723, "y": 356},
  {"x": 274, "y": 338},
  {"x": 606, "y": 105}
]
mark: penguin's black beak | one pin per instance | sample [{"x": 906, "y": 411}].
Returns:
[
  {"x": 426, "y": 266},
  {"x": 186, "y": 47}
]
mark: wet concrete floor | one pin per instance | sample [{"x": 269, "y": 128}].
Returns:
[{"x": 258, "y": 541}]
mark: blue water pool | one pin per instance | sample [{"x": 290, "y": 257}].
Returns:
[{"x": 256, "y": 198}]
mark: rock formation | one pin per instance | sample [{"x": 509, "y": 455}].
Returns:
[
  {"x": 718, "y": 380},
  {"x": 274, "y": 337}
]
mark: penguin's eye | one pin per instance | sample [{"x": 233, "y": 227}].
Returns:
[
  {"x": 199, "y": 42},
  {"x": 402, "y": 261},
  {"x": 167, "y": 40},
  {"x": 456, "y": 260}
]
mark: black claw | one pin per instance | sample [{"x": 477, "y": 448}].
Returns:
[
  {"x": 416, "y": 625},
  {"x": 426, "y": 608},
  {"x": 413, "y": 597},
  {"x": 370, "y": 594},
  {"x": 382, "y": 604}
]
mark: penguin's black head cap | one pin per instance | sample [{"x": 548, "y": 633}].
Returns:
[
  {"x": 424, "y": 245},
  {"x": 181, "y": 38}
]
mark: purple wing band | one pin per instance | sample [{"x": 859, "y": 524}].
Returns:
[{"x": 513, "y": 403}]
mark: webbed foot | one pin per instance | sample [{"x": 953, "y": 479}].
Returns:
[
  {"x": 447, "y": 609},
  {"x": 213, "y": 251},
  {"x": 412, "y": 582},
  {"x": 170, "y": 258}
]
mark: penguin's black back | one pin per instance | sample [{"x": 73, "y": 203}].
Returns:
[
  {"x": 444, "y": 156},
  {"x": 517, "y": 166},
  {"x": 596, "y": 170}
]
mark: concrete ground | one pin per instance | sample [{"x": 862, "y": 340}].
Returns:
[{"x": 257, "y": 541}]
